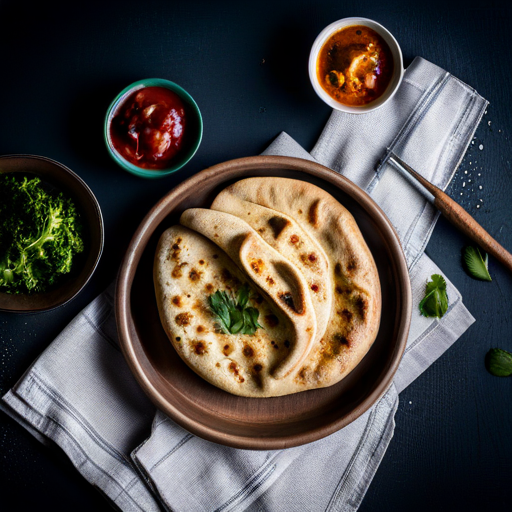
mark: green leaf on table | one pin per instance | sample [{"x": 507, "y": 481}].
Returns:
[
  {"x": 435, "y": 302},
  {"x": 499, "y": 362},
  {"x": 475, "y": 264}
]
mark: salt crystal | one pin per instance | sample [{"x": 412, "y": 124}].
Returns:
[
  {"x": 469, "y": 181},
  {"x": 461, "y": 193},
  {"x": 480, "y": 187},
  {"x": 478, "y": 206},
  {"x": 464, "y": 184},
  {"x": 489, "y": 123},
  {"x": 465, "y": 172},
  {"x": 481, "y": 147},
  {"x": 479, "y": 174}
]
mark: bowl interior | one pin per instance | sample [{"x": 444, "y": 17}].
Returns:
[
  {"x": 397, "y": 61},
  {"x": 258, "y": 423},
  {"x": 193, "y": 130},
  {"x": 84, "y": 265}
]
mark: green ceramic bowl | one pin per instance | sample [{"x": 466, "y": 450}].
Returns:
[{"x": 193, "y": 134}]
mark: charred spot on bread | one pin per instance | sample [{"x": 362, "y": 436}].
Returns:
[
  {"x": 248, "y": 351},
  {"x": 177, "y": 270},
  {"x": 345, "y": 314},
  {"x": 362, "y": 306},
  {"x": 233, "y": 367},
  {"x": 199, "y": 347},
  {"x": 183, "y": 319},
  {"x": 257, "y": 265},
  {"x": 227, "y": 349},
  {"x": 351, "y": 266},
  {"x": 339, "y": 340},
  {"x": 176, "y": 300},
  {"x": 194, "y": 275},
  {"x": 294, "y": 239}
]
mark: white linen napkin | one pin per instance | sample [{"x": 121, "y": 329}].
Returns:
[{"x": 81, "y": 395}]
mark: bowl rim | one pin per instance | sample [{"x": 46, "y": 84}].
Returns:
[
  {"x": 138, "y": 245},
  {"x": 116, "y": 102},
  {"x": 398, "y": 71},
  {"x": 99, "y": 213}
]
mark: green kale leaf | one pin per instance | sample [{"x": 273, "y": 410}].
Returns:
[{"x": 40, "y": 234}]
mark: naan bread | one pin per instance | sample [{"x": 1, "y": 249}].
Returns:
[
  {"x": 355, "y": 314},
  {"x": 287, "y": 237},
  {"x": 188, "y": 269},
  {"x": 311, "y": 337},
  {"x": 272, "y": 273}
]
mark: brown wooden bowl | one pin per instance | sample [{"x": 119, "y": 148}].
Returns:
[
  {"x": 258, "y": 423},
  {"x": 62, "y": 178}
]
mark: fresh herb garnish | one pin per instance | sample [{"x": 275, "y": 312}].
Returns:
[
  {"x": 474, "y": 264},
  {"x": 499, "y": 362},
  {"x": 40, "y": 233},
  {"x": 234, "y": 315},
  {"x": 435, "y": 302}
]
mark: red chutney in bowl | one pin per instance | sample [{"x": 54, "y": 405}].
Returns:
[
  {"x": 149, "y": 127},
  {"x": 355, "y": 65}
]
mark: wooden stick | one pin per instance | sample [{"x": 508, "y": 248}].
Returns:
[{"x": 461, "y": 218}]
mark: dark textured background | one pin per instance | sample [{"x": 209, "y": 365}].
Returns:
[{"x": 245, "y": 64}]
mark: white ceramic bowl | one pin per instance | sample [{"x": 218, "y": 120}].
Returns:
[{"x": 398, "y": 71}]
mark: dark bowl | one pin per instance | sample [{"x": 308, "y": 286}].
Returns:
[
  {"x": 62, "y": 178},
  {"x": 258, "y": 423}
]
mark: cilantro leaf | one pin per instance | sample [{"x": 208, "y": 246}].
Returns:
[
  {"x": 235, "y": 316},
  {"x": 499, "y": 362},
  {"x": 435, "y": 302},
  {"x": 474, "y": 264}
]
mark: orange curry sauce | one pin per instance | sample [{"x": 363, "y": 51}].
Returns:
[{"x": 355, "y": 65}]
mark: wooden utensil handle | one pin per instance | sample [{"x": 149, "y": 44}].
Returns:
[{"x": 470, "y": 227}]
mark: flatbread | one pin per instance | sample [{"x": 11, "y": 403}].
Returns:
[
  {"x": 288, "y": 238},
  {"x": 293, "y": 351},
  {"x": 189, "y": 268},
  {"x": 275, "y": 276},
  {"x": 356, "y": 307}
]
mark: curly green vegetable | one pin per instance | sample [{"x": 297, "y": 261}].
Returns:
[{"x": 40, "y": 234}]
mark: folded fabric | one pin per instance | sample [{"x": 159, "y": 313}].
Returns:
[{"x": 81, "y": 395}]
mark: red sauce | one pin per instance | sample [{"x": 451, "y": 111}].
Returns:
[
  {"x": 148, "y": 129},
  {"x": 355, "y": 65}
]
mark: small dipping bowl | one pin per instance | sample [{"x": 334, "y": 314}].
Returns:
[
  {"x": 193, "y": 129},
  {"x": 398, "y": 68}
]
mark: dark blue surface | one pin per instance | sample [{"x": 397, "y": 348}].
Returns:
[{"x": 246, "y": 66}]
